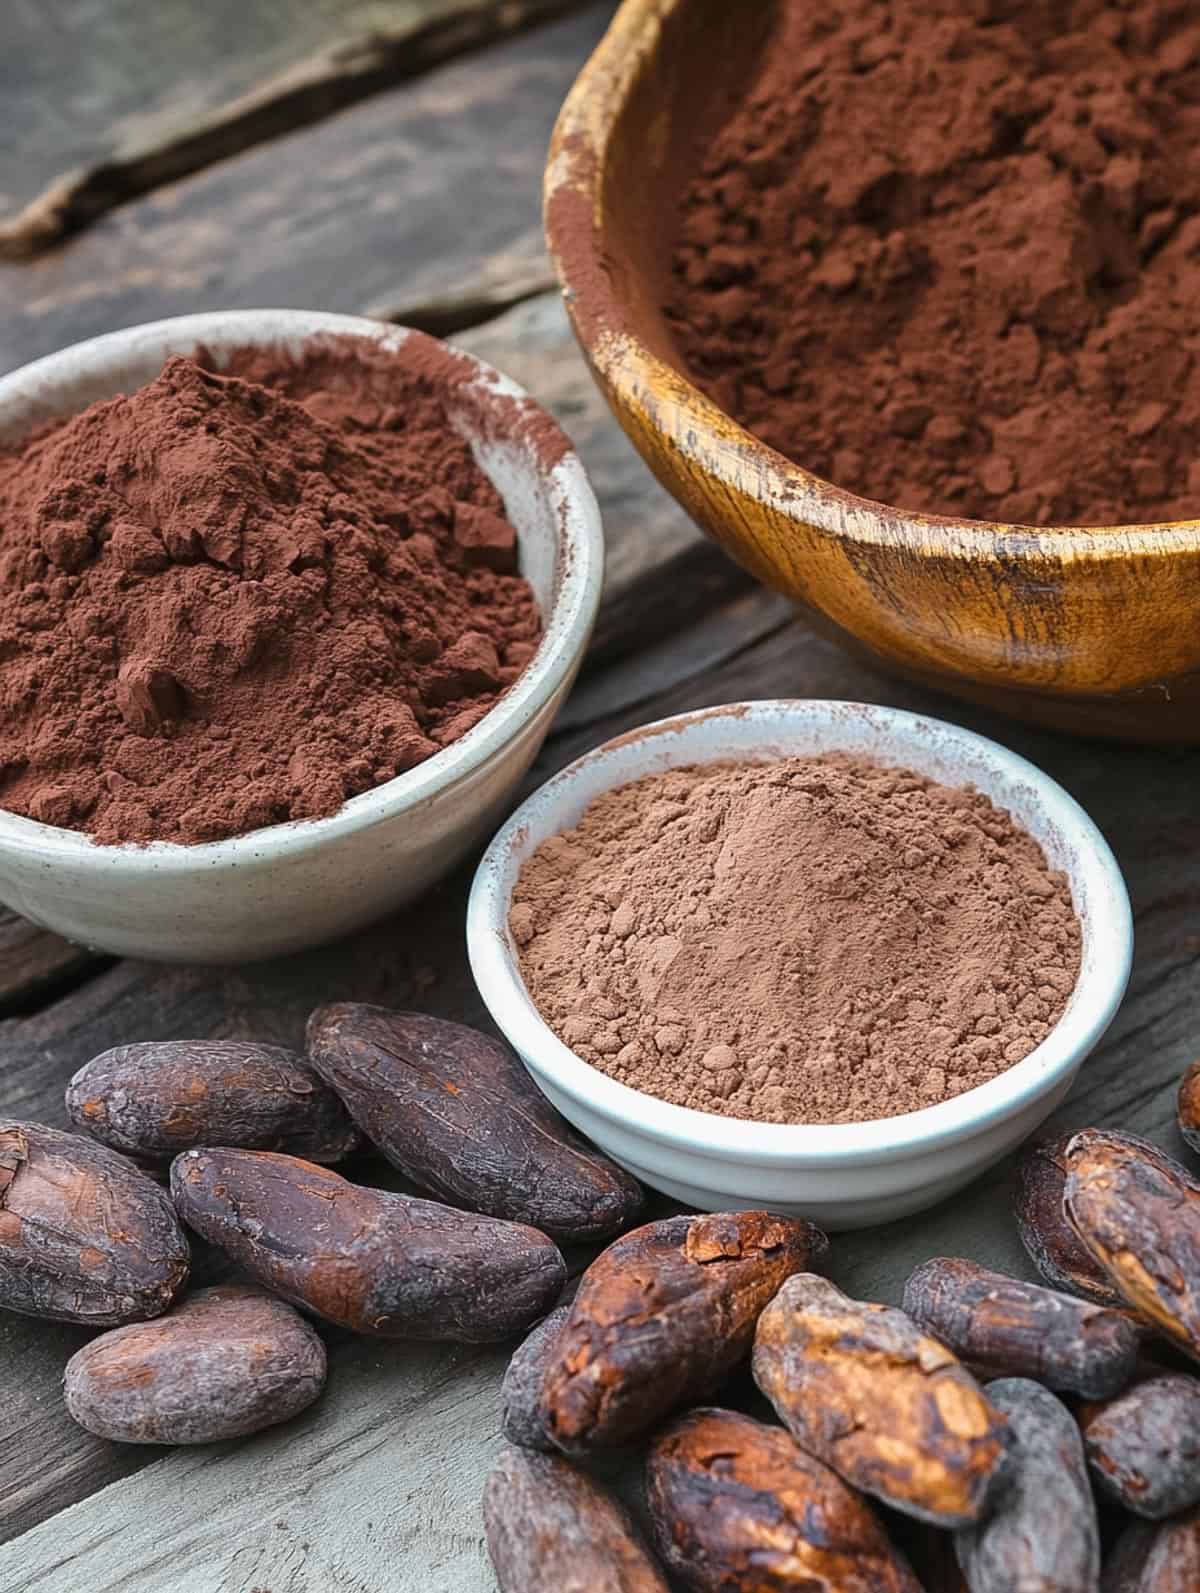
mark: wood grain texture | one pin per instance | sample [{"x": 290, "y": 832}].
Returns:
[
  {"x": 375, "y": 1487},
  {"x": 422, "y": 195},
  {"x": 76, "y": 91},
  {"x": 107, "y": 101},
  {"x": 1093, "y": 628},
  {"x": 33, "y": 962}
]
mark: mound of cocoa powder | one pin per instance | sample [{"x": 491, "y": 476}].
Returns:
[
  {"x": 817, "y": 940},
  {"x": 234, "y": 599},
  {"x": 948, "y": 255}
]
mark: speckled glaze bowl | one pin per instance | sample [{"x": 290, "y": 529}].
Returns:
[
  {"x": 841, "y": 1175},
  {"x": 296, "y": 885}
]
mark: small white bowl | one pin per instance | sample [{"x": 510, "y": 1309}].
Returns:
[
  {"x": 294, "y": 885},
  {"x": 841, "y": 1175}
]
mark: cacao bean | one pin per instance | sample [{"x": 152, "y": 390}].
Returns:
[
  {"x": 521, "y": 1390},
  {"x": 160, "y": 1098},
  {"x": 371, "y": 1261},
  {"x": 662, "y": 1316},
  {"x": 551, "y": 1529},
  {"x": 1054, "y": 1247},
  {"x": 1005, "y": 1328},
  {"x": 84, "y": 1235},
  {"x": 892, "y": 1411},
  {"x": 456, "y": 1112},
  {"x": 1144, "y": 1448},
  {"x": 1042, "y": 1535},
  {"x": 737, "y": 1507},
  {"x": 1162, "y": 1558},
  {"x": 1188, "y": 1106},
  {"x": 1138, "y": 1213},
  {"x": 225, "y": 1362}
]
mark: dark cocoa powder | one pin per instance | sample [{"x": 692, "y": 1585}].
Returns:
[
  {"x": 234, "y": 599},
  {"x": 948, "y": 255},
  {"x": 817, "y": 940}
]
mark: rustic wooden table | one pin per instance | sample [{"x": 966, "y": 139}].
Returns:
[{"x": 205, "y": 168}]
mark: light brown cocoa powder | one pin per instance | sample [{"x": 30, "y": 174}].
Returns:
[{"x": 815, "y": 940}]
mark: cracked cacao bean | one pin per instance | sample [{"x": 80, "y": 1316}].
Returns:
[
  {"x": 552, "y": 1529},
  {"x": 1002, "y": 1327},
  {"x": 1188, "y": 1106},
  {"x": 662, "y": 1316},
  {"x": 1161, "y": 1558},
  {"x": 521, "y": 1390},
  {"x": 456, "y": 1112},
  {"x": 891, "y": 1410},
  {"x": 738, "y": 1507},
  {"x": 225, "y": 1362},
  {"x": 371, "y": 1261},
  {"x": 1041, "y": 1535},
  {"x": 1138, "y": 1213},
  {"x": 85, "y": 1236},
  {"x": 1144, "y": 1448},
  {"x": 1054, "y": 1247},
  {"x": 159, "y": 1098}
]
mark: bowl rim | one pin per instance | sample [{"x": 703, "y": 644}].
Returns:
[
  {"x": 579, "y": 577},
  {"x": 573, "y": 188},
  {"x": 1095, "y": 998}
]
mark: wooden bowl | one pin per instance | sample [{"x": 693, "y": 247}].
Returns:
[{"x": 1088, "y": 628}]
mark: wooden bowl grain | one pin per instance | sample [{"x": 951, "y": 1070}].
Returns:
[{"x": 1092, "y": 629}]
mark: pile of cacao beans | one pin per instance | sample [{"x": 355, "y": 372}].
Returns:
[
  {"x": 244, "y": 1134},
  {"x": 993, "y": 1436}
]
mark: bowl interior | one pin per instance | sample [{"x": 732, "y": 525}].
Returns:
[
  {"x": 1091, "y": 629},
  {"x": 63, "y": 384},
  {"x": 546, "y": 493},
  {"x": 681, "y": 90},
  {"x": 763, "y": 732}
]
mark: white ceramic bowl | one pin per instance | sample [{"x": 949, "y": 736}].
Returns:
[
  {"x": 841, "y": 1175},
  {"x": 294, "y": 885}
]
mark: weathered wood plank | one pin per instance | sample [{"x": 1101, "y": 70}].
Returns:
[
  {"x": 655, "y": 556},
  {"x": 388, "y": 205},
  {"x": 83, "y": 80},
  {"x": 395, "y": 1454},
  {"x": 107, "y": 101},
  {"x": 33, "y": 962},
  {"x": 1144, "y": 799},
  {"x": 445, "y": 302}
]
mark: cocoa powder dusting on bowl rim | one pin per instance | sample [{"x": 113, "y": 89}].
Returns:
[{"x": 807, "y": 940}]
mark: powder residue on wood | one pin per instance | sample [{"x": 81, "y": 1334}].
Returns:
[
  {"x": 234, "y": 599},
  {"x": 947, "y": 255},
  {"x": 815, "y": 940}
]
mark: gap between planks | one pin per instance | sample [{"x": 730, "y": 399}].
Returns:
[{"x": 337, "y": 76}]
